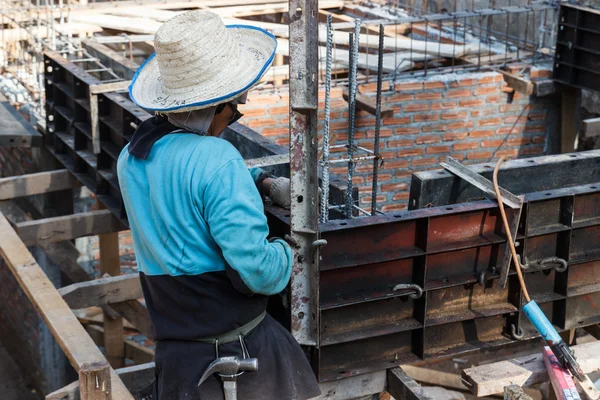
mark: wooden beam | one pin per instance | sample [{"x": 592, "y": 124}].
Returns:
[
  {"x": 67, "y": 227},
  {"x": 489, "y": 379},
  {"x": 591, "y": 127},
  {"x": 38, "y": 183},
  {"x": 133, "y": 350},
  {"x": 570, "y": 104},
  {"x": 66, "y": 329},
  {"x": 518, "y": 83},
  {"x": 136, "y": 378},
  {"x": 402, "y": 386},
  {"x": 368, "y": 104},
  {"x": 544, "y": 87},
  {"x": 137, "y": 314},
  {"x": 94, "y": 381},
  {"x": 102, "y": 291}
]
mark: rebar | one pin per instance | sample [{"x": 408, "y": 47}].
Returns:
[
  {"x": 377, "y": 122},
  {"x": 353, "y": 54},
  {"x": 325, "y": 162}
]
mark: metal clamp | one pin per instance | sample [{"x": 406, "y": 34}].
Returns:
[
  {"x": 514, "y": 334},
  {"x": 418, "y": 290},
  {"x": 483, "y": 276}
]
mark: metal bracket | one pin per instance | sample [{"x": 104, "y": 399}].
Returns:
[{"x": 418, "y": 290}]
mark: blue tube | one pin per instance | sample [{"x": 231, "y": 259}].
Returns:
[{"x": 541, "y": 323}]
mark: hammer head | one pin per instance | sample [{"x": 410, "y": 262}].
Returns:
[{"x": 228, "y": 366}]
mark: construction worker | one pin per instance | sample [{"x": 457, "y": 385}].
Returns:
[{"x": 197, "y": 217}]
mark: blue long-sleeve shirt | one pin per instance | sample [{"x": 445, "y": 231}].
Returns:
[{"x": 194, "y": 211}]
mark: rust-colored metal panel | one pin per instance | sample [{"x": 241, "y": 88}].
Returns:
[{"x": 584, "y": 278}]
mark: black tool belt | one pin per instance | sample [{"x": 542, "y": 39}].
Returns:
[{"x": 235, "y": 334}]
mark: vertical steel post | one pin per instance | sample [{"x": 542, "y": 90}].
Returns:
[
  {"x": 377, "y": 121},
  {"x": 325, "y": 164},
  {"x": 303, "y": 169}
]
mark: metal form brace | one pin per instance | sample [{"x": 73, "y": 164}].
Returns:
[{"x": 487, "y": 187}]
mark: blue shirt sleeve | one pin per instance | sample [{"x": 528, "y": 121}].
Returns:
[
  {"x": 256, "y": 172},
  {"x": 234, "y": 213}
]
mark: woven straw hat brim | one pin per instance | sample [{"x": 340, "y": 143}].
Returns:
[{"x": 257, "y": 50}]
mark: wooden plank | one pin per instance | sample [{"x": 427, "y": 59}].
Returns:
[
  {"x": 102, "y": 291},
  {"x": 94, "y": 381},
  {"x": 402, "y": 386},
  {"x": 570, "y": 105},
  {"x": 489, "y": 379},
  {"x": 67, "y": 227},
  {"x": 591, "y": 127},
  {"x": 66, "y": 329},
  {"x": 368, "y": 104},
  {"x": 135, "y": 378},
  {"x": 133, "y": 350},
  {"x": 518, "y": 83},
  {"x": 137, "y": 314},
  {"x": 38, "y": 183},
  {"x": 110, "y": 264},
  {"x": 15, "y": 131}
]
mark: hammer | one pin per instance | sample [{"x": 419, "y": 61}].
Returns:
[{"x": 228, "y": 369}]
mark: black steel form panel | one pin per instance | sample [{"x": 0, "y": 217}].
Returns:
[
  {"x": 366, "y": 326},
  {"x": 577, "y": 56}
]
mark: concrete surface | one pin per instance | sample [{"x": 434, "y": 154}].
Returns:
[{"x": 12, "y": 383}]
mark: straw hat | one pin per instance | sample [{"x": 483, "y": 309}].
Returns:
[{"x": 200, "y": 62}]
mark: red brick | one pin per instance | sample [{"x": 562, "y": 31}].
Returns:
[
  {"x": 401, "y": 196},
  {"x": 264, "y": 100},
  {"x": 485, "y": 112},
  {"x": 455, "y": 136},
  {"x": 492, "y": 99},
  {"x": 357, "y": 180},
  {"x": 457, "y": 93},
  {"x": 394, "y": 187},
  {"x": 434, "y": 85},
  {"x": 443, "y": 105},
  {"x": 537, "y": 116},
  {"x": 428, "y": 139},
  {"x": 400, "y": 143},
  {"x": 408, "y": 86},
  {"x": 536, "y": 72},
  {"x": 481, "y": 133},
  {"x": 393, "y": 207},
  {"x": 434, "y": 128},
  {"x": 488, "y": 122},
  {"x": 258, "y": 123},
  {"x": 372, "y": 87},
  {"x": 284, "y": 141},
  {"x": 400, "y": 98},
  {"x": 253, "y": 112},
  {"x": 410, "y": 152},
  {"x": 485, "y": 90},
  {"x": 406, "y": 131},
  {"x": 382, "y": 133},
  {"x": 396, "y": 121},
  {"x": 367, "y": 199},
  {"x": 518, "y": 141},
  {"x": 274, "y": 131},
  {"x": 533, "y": 150},
  {"x": 397, "y": 164},
  {"x": 425, "y": 117},
  {"x": 513, "y": 130},
  {"x": 454, "y": 115},
  {"x": 403, "y": 174},
  {"x": 363, "y": 122},
  {"x": 492, "y": 78},
  {"x": 338, "y": 125},
  {"x": 515, "y": 120},
  {"x": 380, "y": 178},
  {"x": 463, "y": 82},
  {"x": 416, "y": 107},
  {"x": 535, "y": 128},
  {"x": 419, "y": 162},
  {"x": 458, "y": 156},
  {"x": 437, "y": 149},
  {"x": 491, "y": 143},
  {"x": 471, "y": 103},
  {"x": 506, "y": 153},
  {"x": 363, "y": 167},
  {"x": 479, "y": 155},
  {"x": 278, "y": 110},
  {"x": 507, "y": 89},
  {"x": 465, "y": 146},
  {"x": 538, "y": 139},
  {"x": 429, "y": 96}
]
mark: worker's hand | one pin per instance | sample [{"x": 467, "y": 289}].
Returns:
[{"x": 280, "y": 192}]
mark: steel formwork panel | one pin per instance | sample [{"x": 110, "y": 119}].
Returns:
[{"x": 366, "y": 325}]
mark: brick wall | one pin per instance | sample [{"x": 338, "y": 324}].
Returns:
[{"x": 473, "y": 117}]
